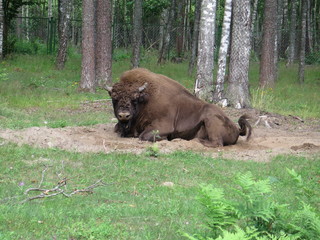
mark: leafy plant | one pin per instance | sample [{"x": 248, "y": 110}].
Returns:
[
  {"x": 153, "y": 150},
  {"x": 255, "y": 214}
]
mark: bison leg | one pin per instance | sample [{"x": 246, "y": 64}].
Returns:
[
  {"x": 218, "y": 131},
  {"x": 158, "y": 133}
]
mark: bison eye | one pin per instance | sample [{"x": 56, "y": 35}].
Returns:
[
  {"x": 114, "y": 101},
  {"x": 134, "y": 101}
]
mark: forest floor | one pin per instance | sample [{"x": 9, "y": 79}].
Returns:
[{"x": 273, "y": 134}]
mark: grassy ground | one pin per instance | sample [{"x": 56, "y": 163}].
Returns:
[{"x": 134, "y": 204}]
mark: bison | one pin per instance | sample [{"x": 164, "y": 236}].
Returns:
[{"x": 153, "y": 107}]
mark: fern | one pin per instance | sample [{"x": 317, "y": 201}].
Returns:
[
  {"x": 220, "y": 213},
  {"x": 306, "y": 223},
  {"x": 255, "y": 215},
  {"x": 255, "y": 206}
]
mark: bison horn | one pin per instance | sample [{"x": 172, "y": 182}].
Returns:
[
  {"x": 143, "y": 87},
  {"x": 109, "y": 89}
]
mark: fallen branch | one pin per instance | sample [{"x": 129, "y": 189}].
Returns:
[{"x": 46, "y": 193}]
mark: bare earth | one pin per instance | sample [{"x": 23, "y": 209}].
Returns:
[{"x": 272, "y": 135}]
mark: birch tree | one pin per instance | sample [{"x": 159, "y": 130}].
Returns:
[
  {"x": 267, "y": 64},
  {"x": 103, "y": 51},
  {"x": 204, "y": 79},
  {"x": 137, "y": 33},
  {"x": 64, "y": 8},
  {"x": 238, "y": 89},
  {"x": 223, "y": 52},
  {"x": 87, "y": 83}
]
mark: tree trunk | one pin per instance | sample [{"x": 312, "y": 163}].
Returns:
[
  {"x": 1, "y": 30},
  {"x": 163, "y": 22},
  {"x": 64, "y": 26},
  {"x": 302, "y": 55},
  {"x": 87, "y": 83},
  {"x": 180, "y": 28},
  {"x": 195, "y": 36},
  {"x": 309, "y": 31},
  {"x": 167, "y": 35},
  {"x": 137, "y": 33},
  {"x": 204, "y": 79},
  {"x": 292, "y": 37},
  {"x": 103, "y": 50},
  {"x": 254, "y": 33},
  {"x": 267, "y": 64},
  {"x": 223, "y": 52},
  {"x": 238, "y": 89}
]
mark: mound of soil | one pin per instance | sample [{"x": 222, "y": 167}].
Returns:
[{"x": 272, "y": 135}]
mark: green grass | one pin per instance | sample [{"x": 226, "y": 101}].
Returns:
[
  {"x": 288, "y": 97},
  {"x": 134, "y": 205}
]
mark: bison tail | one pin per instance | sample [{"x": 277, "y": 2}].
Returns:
[{"x": 245, "y": 127}]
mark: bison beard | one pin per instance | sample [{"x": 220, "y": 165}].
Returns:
[{"x": 154, "y": 107}]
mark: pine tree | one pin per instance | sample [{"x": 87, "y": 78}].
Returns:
[{"x": 87, "y": 82}]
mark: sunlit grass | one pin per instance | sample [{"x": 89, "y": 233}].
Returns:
[{"x": 134, "y": 204}]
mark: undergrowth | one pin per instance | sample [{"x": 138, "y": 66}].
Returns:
[{"x": 255, "y": 213}]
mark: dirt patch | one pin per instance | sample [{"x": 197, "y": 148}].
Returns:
[{"x": 272, "y": 135}]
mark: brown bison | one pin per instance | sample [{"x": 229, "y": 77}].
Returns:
[{"x": 154, "y": 107}]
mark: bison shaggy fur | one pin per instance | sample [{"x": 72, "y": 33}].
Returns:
[{"x": 153, "y": 107}]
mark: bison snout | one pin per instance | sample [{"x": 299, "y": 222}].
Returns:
[{"x": 124, "y": 116}]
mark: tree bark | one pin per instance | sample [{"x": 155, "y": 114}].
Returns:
[
  {"x": 1, "y": 29},
  {"x": 302, "y": 55},
  {"x": 87, "y": 83},
  {"x": 267, "y": 64},
  {"x": 64, "y": 8},
  {"x": 167, "y": 34},
  {"x": 238, "y": 88},
  {"x": 223, "y": 52},
  {"x": 195, "y": 36},
  {"x": 103, "y": 50},
  {"x": 137, "y": 33},
  {"x": 309, "y": 23},
  {"x": 204, "y": 79},
  {"x": 292, "y": 37}
]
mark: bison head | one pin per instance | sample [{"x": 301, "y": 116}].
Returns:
[{"x": 127, "y": 101}]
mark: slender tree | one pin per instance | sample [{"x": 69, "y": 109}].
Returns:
[
  {"x": 223, "y": 52},
  {"x": 195, "y": 36},
  {"x": 292, "y": 37},
  {"x": 103, "y": 50},
  {"x": 137, "y": 33},
  {"x": 64, "y": 8},
  {"x": 267, "y": 64},
  {"x": 204, "y": 79},
  {"x": 167, "y": 34},
  {"x": 87, "y": 82},
  {"x": 1, "y": 29},
  {"x": 302, "y": 54},
  {"x": 238, "y": 89}
]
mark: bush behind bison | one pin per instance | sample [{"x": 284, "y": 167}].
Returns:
[{"x": 145, "y": 102}]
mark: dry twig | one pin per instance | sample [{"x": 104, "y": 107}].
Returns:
[{"x": 46, "y": 193}]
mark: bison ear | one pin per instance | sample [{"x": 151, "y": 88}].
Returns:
[{"x": 109, "y": 89}]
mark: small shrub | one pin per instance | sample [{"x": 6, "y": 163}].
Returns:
[
  {"x": 256, "y": 215},
  {"x": 153, "y": 150}
]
